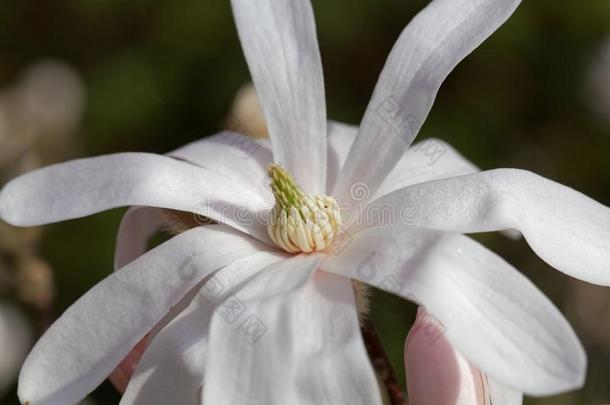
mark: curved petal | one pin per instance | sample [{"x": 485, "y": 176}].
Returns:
[
  {"x": 427, "y": 160},
  {"x": 491, "y": 313},
  {"x": 291, "y": 335},
  {"x": 86, "y": 186},
  {"x": 121, "y": 375},
  {"x": 280, "y": 44},
  {"x": 233, "y": 155},
  {"x": 138, "y": 225},
  {"x": 172, "y": 369},
  {"x": 85, "y": 344},
  {"x": 567, "y": 229},
  {"x": 433, "y": 43},
  {"x": 436, "y": 372}
]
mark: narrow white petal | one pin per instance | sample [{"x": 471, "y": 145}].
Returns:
[
  {"x": 567, "y": 229},
  {"x": 87, "y": 186},
  {"x": 290, "y": 336},
  {"x": 503, "y": 395},
  {"x": 172, "y": 368},
  {"x": 433, "y": 43},
  {"x": 233, "y": 155},
  {"x": 427, "y": 160},
  {"x": 490, "y": 312},
  {"x": 280, "y": 44},
  {"x": 340, "y": 139},
  {"x": 137, "y": 226},
  {"x": 87, "y": 342}
]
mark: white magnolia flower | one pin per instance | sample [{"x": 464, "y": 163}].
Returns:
[{"x": 273, "y": 327}]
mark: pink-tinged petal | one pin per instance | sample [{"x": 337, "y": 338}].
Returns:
[
  {"x": 428, "y": 49},
  {"x": 86, "y": 186},
  {"x": 281, "y": 47},
  {"x": 122, "y": 373},
  {"x": 98, "y": 331},
  {"x": 567, "y": 229},
  {"x": 436, "y": 372}
]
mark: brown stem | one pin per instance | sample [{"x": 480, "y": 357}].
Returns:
[{"x": 382, "y": 365}]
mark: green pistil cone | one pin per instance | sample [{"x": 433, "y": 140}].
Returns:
[{"x": 285, "y": 190}]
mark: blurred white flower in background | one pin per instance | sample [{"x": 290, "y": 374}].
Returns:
[
  {"x": 39, "y": 115},
  {"x": 246, "y": 115},
  {"x": 15, "y": 342},
  {"x": 589, "y": 305},
  {"x": 598, "y": 83}
]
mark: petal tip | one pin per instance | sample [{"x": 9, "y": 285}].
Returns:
[{"x": 7, "y": 210}]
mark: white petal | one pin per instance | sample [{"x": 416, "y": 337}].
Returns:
[
  {"x": 279, "y": 41},
  {"x": 491, "y": 313},
  {"x": 172, "y": 368},
  {"x": 427, "y": 160},
  {"x": 87, "y": 186},
  {"x": 290, "y": 336},
  {"x": 503, "y": 395},
  {"x": 233, "y": 155},
  {"x": 137, "y": 226},
  {"x": 433, "y": 43},
  {"x": 85, "y": 344},
  {"x": 340, "y": 139},
  {"x": 567, "y": 229}
]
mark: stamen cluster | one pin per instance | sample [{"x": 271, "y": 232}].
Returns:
[{"x": 300, "y": 222}]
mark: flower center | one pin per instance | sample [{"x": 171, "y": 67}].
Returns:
[{"x": 300, "y": 222}]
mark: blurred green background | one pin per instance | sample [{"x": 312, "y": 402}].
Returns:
[{"x": 159, "y": 74}]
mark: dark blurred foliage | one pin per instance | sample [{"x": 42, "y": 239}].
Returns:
[{"x": 159, "y": 74}]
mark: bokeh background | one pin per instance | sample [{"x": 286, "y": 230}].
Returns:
[{"x": 102, "y": 76}]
